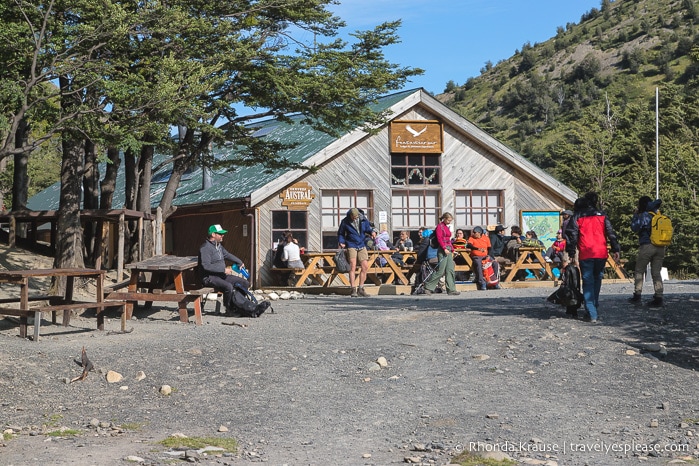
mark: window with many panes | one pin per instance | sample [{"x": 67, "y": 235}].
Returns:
[
  {"x": 415, "y": 170},
  {"x": 334, "y": 206},
  {"x": 415, "y": 199},
  {"x": 295, "y": 221},
  {"x": 411, "y": 209},
  {"x": 478, "y": 208}
]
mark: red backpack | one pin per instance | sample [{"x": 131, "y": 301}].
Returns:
[{"x": 491, "y": 276}]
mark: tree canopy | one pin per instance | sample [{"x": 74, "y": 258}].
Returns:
[{"x": 122, "y": 74}]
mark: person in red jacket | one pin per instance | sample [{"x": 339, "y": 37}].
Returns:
[
  {"x": 588, "y": 232},
  {"x": 445, "y": 252}
]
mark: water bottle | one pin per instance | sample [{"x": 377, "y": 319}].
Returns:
[{"x": 241, "y": 270}]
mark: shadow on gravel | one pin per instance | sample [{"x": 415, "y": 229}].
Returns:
[{"x": 670, "y": 334}]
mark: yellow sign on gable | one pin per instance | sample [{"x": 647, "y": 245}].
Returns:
[{"x": 297, "y": 196}]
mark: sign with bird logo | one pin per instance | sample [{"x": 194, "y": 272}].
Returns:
[{"x": 421, "y": 136}]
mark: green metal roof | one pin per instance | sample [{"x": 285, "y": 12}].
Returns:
[{"x": 239, "y": 183}]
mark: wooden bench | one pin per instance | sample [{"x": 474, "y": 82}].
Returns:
[
  {"x": 204, "y": 294},
  {"x": 37, "y": 312}
]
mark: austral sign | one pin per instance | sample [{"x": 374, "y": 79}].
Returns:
[
  {"x": 422, "y": 136},
  {"x": 297, "y": 196}
]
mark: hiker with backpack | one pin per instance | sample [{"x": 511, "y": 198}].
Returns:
[
  {"x": 215, "y": 273},
  {"x": 642, "y": 223},
  {"x": 442, "y": 236},
  {"x": 588, "y": 234}
]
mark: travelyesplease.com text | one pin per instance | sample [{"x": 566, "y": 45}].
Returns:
[{"x": 578, "y": 447}]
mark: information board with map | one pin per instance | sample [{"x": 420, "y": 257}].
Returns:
[{"x": 545, "y": 223}]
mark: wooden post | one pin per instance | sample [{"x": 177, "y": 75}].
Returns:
[
  {"x": 120, "y": 249},
  {"x": 97, "y": 252},
  {"x": 13, "y": 231},
  {"x": 140, "y": 239},
  {"x": 158, "y": 231}
]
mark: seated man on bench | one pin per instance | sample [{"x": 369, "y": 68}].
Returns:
[{"x": 214, "y": 273}]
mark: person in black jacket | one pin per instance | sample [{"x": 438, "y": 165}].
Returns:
[{"x": 215, "y": 273}]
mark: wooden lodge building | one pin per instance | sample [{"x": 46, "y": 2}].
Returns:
[{"x": 426, "y": 160}]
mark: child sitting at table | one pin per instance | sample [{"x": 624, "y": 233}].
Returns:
[{"x": 555, "y": 252}]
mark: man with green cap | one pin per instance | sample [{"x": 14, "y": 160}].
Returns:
[{"x": 215, "y": 273}]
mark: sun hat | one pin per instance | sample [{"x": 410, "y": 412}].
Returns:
[
  {"x": 217, "y": 229},
  {"x": 499, "y": 228}
]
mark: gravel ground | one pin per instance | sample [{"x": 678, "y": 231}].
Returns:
[{"x": 302, "y": 386}]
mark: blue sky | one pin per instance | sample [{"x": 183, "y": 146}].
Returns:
[{"x": 453, "y": 39}]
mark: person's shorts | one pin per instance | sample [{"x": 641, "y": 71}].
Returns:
[{"x": 359, "y": 254}]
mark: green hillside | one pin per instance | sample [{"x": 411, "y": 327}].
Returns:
[{"x": 582, "y": 106}]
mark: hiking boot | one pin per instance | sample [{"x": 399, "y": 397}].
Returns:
[
  {"x": 656, "y": 302},
  {"x": 636, "y": 298},
  {"x": 361, "y": 292},
  {"x": 454, "y": 293},
  {"x": 354, "y": 293}
]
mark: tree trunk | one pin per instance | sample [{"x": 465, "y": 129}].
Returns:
[
  {"x": 69, "y": 237},
  {"x": 145, "y": 168},
  {"x": 69, "y": 241},
  {"x": 90, "y": 195},
  {"x": 186, "y": 156},
  {"x": 20, "y": 179},
  {"x": 130, "y": 194},
  {"x": 108, "y": 183}
]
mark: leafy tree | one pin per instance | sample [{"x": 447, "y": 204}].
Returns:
[
  {"x": 124, "y": 73},
  {"x": 633, "y": 60}
]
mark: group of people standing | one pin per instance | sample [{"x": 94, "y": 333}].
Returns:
[
  {"x": 589, "y": 233},
  {"x": 584, "y": 241}
]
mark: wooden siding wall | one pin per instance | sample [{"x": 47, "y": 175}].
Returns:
[
  {"x": 465, "y": 165},
  {"x": 191, "y": 230}
]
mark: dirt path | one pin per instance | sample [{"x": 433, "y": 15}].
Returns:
[{"x": 302, "y": 386}]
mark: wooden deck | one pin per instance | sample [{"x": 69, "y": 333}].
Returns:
[{"x": 397, "y": 290}]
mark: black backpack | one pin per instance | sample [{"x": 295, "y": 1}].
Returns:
[
  {"x": 568, "y": 294},
  {"x": 243, "y": 300},
  {"x": 422, "y": 248},
  {"x": 278, "y": 254}
]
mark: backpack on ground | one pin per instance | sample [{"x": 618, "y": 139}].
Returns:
[
  {"x": 491, "y": 274},
  {"x": 660, "y": 229},
  {"x": 568, "y": 294},
  {"x": 246, "y": 303}
]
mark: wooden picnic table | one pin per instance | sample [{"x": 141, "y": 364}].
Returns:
[
  {"x": 160, "y": 274},
  {"x": 63, "y": 303},
  {"x": 530, "y": 259},
  {"x": 320, "y": 268}
]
